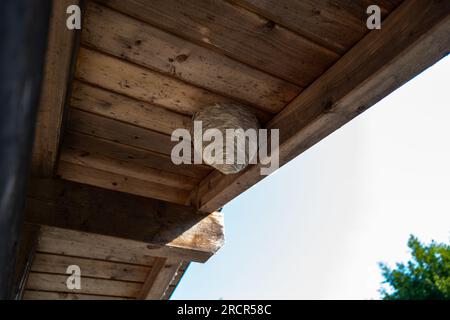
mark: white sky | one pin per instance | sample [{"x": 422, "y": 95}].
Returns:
[{"x": 317, "y": 228}]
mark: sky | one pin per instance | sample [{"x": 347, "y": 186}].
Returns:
[{"x": 318, "y": 227}]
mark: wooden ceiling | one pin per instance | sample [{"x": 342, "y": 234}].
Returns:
[
  {"x": 108, "y": 271},
  {"x": 144, "y": 67},
  {"x": 102, "y": 176},
  {"x": 126, "y": 246}
]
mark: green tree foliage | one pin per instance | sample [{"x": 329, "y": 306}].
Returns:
[{"x": 425, "y": 276}]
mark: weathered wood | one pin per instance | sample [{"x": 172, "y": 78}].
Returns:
[
  {"x": 146, "y": 85},
  {"x": 24, "y": 26},
  {"x": 175, "y": 281},
  {"x": 238, "y": 33},
  {"x": 119, "y": 182},
  {"x": 140, "y": 157},
  {"x": 412, "y": 38},
  {"x": 58, "y": 66},
  {"x": 58, "y": 264},
  {"x": 120, "y": 132},
  {"x": 336, "y": 24},
  {"x": 89, "y": 245},
  {"x": 46, "y": 295},
  {"x": 57, "y": 283},
  {"x": 157, "y": 228},
  {"x": 115, "y": 106},
  {"x": 122, "y": 36},
  {"x": 159, "y": 279},
  {"x": 28, "y": 243},
  {"x": 140, "y": 83},
  {"x": 126, "y": 168}
]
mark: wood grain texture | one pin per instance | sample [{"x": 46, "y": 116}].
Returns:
[
  {"x": 335, "y": 24},
  {"x": 160, "y": 278},
  {"x": 87, "y": 245},
  {"x": 139, "y": 157},
  {"x": 119, "y": 182},
  {"x": 412, "y": 38},
  {"x": 122, "y": 36},
  {"x": 126, "y": 168},
  {"x": 140, "y": 83},
  {"x": 57, "y": 283},
  {"x": 57, "y": 264},
  {"x": 176, "y": 280},
  {"x": 119, "y": 132},
  {"x": 143, "y": 84},
  {"x": 236, "y": 32},
  {"x": 157, "y": 228},
  {"x": 57, "y": 73},
  {"x": 118, "y": 107},
  {"x": 25, "y": 256}
]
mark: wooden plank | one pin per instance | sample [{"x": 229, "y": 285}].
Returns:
[
  {"x": 126, "y": 168},
  {"x": 97, "y": 246},
  {"x": 115, "y": 106},
  {"x": 27, "y": 246},
  {"x": 87, "y": 245},
  {"x": 412, "y": 38},
  {"x": 134, "y": 155},
  {"x": 57, "y": 264},
  {"x": 154, "y": 228},
  {"x": 56, "y": 282},
  {"x": 336, "y": 24},
  {"x": 140, "y": 83},
  {"x": 47, "y": 295},
  {"x": 190, "y": 242},
  {"x": 174, "y": 283},
  {"x": 120, "y": 132},
  {"x": 143, "y": 84},
  {"x": 122, "y": 36},
  {"x": 159, "y": 279},
  {"x": 236, "y": 32},
  {"x": 119, "y": 182},
  {"x": 151, "y": 277},
  {"x": 57, "y": 74}
]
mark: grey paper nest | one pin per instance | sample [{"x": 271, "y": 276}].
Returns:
[{"x": 228, "y": 116}]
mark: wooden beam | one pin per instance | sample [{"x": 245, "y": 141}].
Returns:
[
  {"x": 28, "y": 243},
  {"x": 411, "y": 39},
  {"x": 163, "y": 229},
  {"x": 23, "y": 25},
  {"x": 159, "y": 278},
  {"x": 58, "y": 70},
  {"x": 176, "y": 280}
]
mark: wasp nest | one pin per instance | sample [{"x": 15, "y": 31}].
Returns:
[{"x": 238, "y": 146}]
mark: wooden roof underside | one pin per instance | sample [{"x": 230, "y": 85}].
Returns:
[
  {"x": 139, "y": 69},
  {"x": 144, "y": 67},
  {"x": 108, "y": 271}
]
